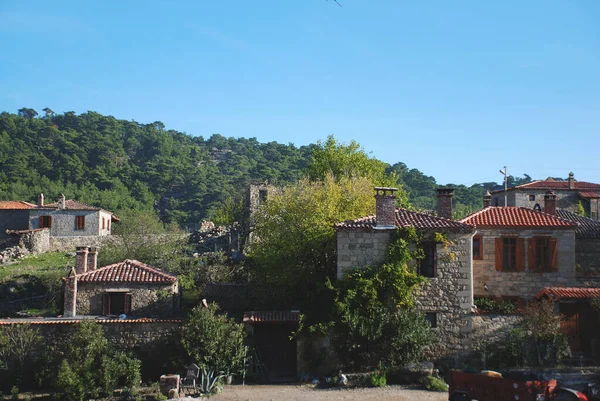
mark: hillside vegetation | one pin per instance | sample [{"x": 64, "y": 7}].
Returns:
[{"x": 124, "y": 165}]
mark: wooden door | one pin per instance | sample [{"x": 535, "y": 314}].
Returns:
[{"x": 570, "y": 325}]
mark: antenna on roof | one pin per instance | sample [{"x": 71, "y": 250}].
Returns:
[{"x": 505, "y": 186}]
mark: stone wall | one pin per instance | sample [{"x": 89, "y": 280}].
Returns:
[
  {"x": 146, "y": 300},
  {"x": 564, "y": 200},
  {"x": 13, "y": 220},
  {"x": 587, "y": 256},
  {"x": 449, "y": 295},
  {"x": 35, "y": 241},
  {"x": 63, "y": 222},
  {"x": 68, "y": 244},
  {"x": 492, "y": 328},
  {"x": 524, "y": 284}
]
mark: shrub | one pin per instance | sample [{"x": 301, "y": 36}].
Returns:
[
  {"x": 432, "y": 383},
  {"x": 495, "y": 306},
  {"x": 378, "y": 379}
]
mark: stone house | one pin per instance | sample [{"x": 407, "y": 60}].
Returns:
[
  {"x": 129, "y": 287},
  {"x": 587, "y": 245},
  {"x": 568, "y": 194},
  {"x": 517, "y": 250},
  {"x": 447, "y": 297}
]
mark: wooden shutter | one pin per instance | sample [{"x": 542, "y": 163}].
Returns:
[
  {"x": 498, "y": 247},
  {"x": 553, "y": 254},
  {"x": 531, "y": 260},
  {"x": 434, "y": 250},
  {"x": 127, "y": 305},
  {"x": 41, "y": 221},
  {"x": 49, "y": 221},
  {"x": 520, "y": 254},
  {"x": 105, "y": 304}
]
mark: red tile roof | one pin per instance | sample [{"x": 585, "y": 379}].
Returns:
[
  {"x": 519, "y": 217},
  {"x": 271, "y": 317},
  {"x": 11, "y": 205},
  {"x": 71, "y": 204},
  {"x": 589, "y": 195},
  {"x": 569, "y": 293},
  {"x": 409, "y": 218},
  {"x": 586, "y": 227},
  {"x": 128, "y": 271},
  {"x": 75, "y": 320},
  {"x": 554, "y": 185}
]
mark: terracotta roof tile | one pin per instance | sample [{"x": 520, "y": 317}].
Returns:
[
  {"x": 586, "y": 227},
  {"x": 71, "y": 204},
  {"x": 128, "y": 271},
  {"x": 12, "y": 205},
  {"x": 569, "y": 293},
  {"x": 520, "y": 217},
  {"x": 588, "y": 195},
  {"x": 271, "y": 317},
  {"x": 409, "y": 218},
  {"x": 554, "y": 185}
]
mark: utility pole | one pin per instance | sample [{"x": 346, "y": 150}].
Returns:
[{"x": 505, "y": 186}]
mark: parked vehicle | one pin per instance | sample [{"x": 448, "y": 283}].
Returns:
[{"x": 491, "y": 386}]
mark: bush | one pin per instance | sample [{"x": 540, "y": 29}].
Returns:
[
  {"x": 432, "y": 383},
  {"x": 378, "y": 379},
  {"x": 495, "y": 306}
]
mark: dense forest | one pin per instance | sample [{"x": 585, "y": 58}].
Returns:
[{"x": 124, "y": 165}]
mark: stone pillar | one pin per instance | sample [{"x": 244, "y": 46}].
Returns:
[
  {"x": 571, "y": 180},
  {"x": 444, "y": 196},
  {"x": 70, "y": 304},
  {"x": 550, "y": 203},
  {"x": 61, "y": 201},
  {"x": 40, "y": 201},
  {"x": 385, "y": 207},
  {"x": 92, "y": 259},
  {"x": 487, "y": 199},
  {"x": 81, "y": 260}
]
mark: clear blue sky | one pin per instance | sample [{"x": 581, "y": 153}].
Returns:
[{"x": 457, "y": 89}]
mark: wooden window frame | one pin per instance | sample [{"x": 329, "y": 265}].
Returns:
[
  {"x": 79, "y": 223},
  {"x": 103, "y": 223},
  {"x": 127, "y": 302},
  {"x": 423, "y": 263},
  {"x": 45, "y": 221},
  {"x": 480, "y": 239},
  {"x": 519, "y": 249},
  {"x": 533, "y": 249},
  {"x": 531, "y": 198}
]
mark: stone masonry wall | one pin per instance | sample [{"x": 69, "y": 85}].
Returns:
[
  {"x": 449, "y": 295},
  {"x": 564, "y": 199},
  {"x": 68, "y": 244},
  {"x": 587, "y": 256},
  {"x": 13, "y": 220},
  {"x": 146, "y": 300},
  {"x": 492, "y": 328},
  {"x": 37, "y": 241},
  {"x": 524, "y": 284}
]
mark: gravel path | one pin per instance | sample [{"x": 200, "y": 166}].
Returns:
[{"x": 309, "y": 393}]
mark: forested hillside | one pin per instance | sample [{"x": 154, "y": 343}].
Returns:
[{"x": 121, "y": 165}]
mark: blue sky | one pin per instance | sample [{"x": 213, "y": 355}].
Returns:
[{"x": 457, "y": 89}]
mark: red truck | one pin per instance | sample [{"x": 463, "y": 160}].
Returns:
[{"x": 493, "y": 387}]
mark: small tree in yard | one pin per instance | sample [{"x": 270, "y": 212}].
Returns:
[
  {"x": 214, "y": 340},
  {"x": 17, "y": 346}
]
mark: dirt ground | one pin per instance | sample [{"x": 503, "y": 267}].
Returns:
[{"x": 308, "y": 392}]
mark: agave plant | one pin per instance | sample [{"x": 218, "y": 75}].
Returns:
[{"x": 209, "y": 381}]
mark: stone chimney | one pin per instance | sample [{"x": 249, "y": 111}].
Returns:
[
  {"x": 550, "y": 203},
  {"x": 40, "y": 201},
  {"x": 92, "y": 259},
  {"x": 571, "y": 180},
  {"x": 487, "y": 199},
  {"x": 385, "y": 207},
  {"x": 61, "y": 201},
  {"x": 81, "y": 260},
  {"x": 70, "y": 303},
  {"x": 444, "y": 196}
]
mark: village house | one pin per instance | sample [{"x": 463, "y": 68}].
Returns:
[
  {"x": 129, "y": 287},
  {"x": 568, "y": 195},
  {"x": 447, "y": 297}
]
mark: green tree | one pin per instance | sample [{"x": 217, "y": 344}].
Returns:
[{"x": 18, "y": 344}]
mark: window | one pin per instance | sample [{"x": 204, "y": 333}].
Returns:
[
  {"x": 108, "y": 224},
  {"x": 79, "y": 222},
  {"x": 45, "y": 221},
  {"x": 262, "y": 196},
  {"x": 103, "y": 223},
  {"x": 532, "y": 198},
  {"x": 427, "y": 265},
  {"x": 431, "y": 317},
  {"x": 478, "y": 247},
  {"x": 116, "y": 303},
  {"x": 510, "y": 254},
  {"x": 542, "y": 254}
]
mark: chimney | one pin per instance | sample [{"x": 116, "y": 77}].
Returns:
[
  {"x": 61, "y": 201},
  {"x": 571, "y": 180},
  {"x": 40, "y": 201},
  {"x": 81, "y": 260},
  {"x": 444, "y": 196},
  {"x": 92, "y": 259},
  {"x": 385, "y": 207},
  {"x": 70, "y": 302},
  {"x": 550, "y": 203},
  {"x": 487, "y": 199}
]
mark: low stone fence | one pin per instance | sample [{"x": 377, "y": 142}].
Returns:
[{"x": 490, "y": 328}]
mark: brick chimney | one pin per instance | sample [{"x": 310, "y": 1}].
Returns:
[
  {"x": 385, "y": 207},
  {"x": 571, "y": 180},
  {"x": 444, "y": 196},
  {"x": 550, "y": 203},
  {"x": 70, "y": 302},
  {"x": 61, "y": 201},
  {"x": 92, "y": 259},
  {"x": 81, "y": 260},
  {"x": 40, "y": 201},
  {"x": 487, "y": 199}
]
